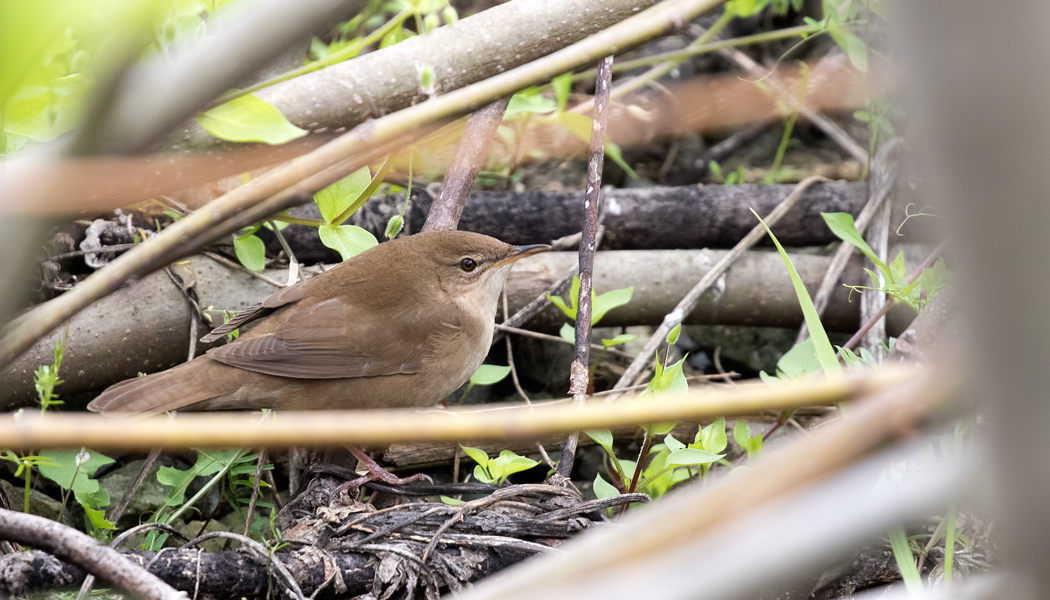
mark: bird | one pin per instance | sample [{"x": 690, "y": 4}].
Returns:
[{"x": 401, "y": 325}]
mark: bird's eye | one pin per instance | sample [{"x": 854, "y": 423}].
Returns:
[{"x": 468, "y": 264}]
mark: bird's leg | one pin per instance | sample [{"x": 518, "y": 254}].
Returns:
[{"x": 376, "y": 472}]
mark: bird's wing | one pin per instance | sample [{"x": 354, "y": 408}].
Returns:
[
  {"x": 333, "y": 340},
  {"x": 258, "y": 310}
]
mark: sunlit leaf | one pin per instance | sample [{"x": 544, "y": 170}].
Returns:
[
  {"x": 249, "y": 119},
  {"x": 604, "y": 489},
  {"x": 338, "y": 197},
  {"x": 489, "y": 374},
  {"x": 347, "y": 240},
  {"x": 251, "y": 252}
]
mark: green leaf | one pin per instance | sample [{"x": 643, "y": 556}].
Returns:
[
  {"x": 476, "y": 454},
  {"x": 577, "y": 124},
  {"x": 451, "y": 501},
  {"x": 602, "y": 437},
  {"x": 713, "y": 437},
  {"x": 347, "y": 240},
  {"x": 855, "y": 48},
  {"x": 509, "y": 463},
  {"x": 843, "y": 226},
  {"x": 604, "y": 489},
  {"x": 338, "y": 197},
  {"x": 672, "y": 337},
  {"x": 672, "y": 443},
  {"x": 560, "y": 303},
  {"x": 562, "y": 84},
  {"x": 208, "y": 463},
  {"x": 614, "y": 154},
  {"x": 97, "y": 519},
  {"x": 530, "y": 101},
  {"x": 623, "y": 338},
  {"x": 251, "y": 252},
  {"x": 482, "y": 474},
  {"x": 608, "y": 301},
  {"x": 692, "y": 456},
  {"x": 568, "y": 333},
  {"x": 741, "y": 433},
  {"x": 825, "y": 353},
  {"x": 489, "y": 374},
  {"x": 745, "y": 8},
  {"x": 574, "y": 295},
  {"x": 66, "y": 472},
  {"x": 800, "y": 360},
  {"x": 906, "y": 562},
  {"x": 249, "y": 119}
]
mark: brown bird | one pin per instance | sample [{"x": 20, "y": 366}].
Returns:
[{"x": 403, "y": 324}]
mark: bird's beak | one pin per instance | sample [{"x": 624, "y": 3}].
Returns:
[{"x": 519, "y": 252}]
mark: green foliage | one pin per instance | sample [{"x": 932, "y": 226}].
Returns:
[
  {"x": 734, "y": 178},
  {"x": 250, "y": 251},
  {"x": 497, "y": 470},
  {"x": 891, "y": 278},
  {"x": 249, "y": 119},
  {"x": 335, "y": 199},
  {"x": 752, "y": 444},
  {"x": 599, "y": 304},
  {"x": 347, "y": 240},
  {"x": 489, "y": 374},
  {"x": 822, "y": 348},
  {"x": 906, "y": 561},
  {"x": 340, "y": 200},
  {"x": 45, "y": 378},
  {"x": 73, "y": 470},
  {"x": 24, "y": 468}
]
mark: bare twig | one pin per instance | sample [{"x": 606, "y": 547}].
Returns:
[
  {"x": 255, "y": 492},
  {"x": 579, "y": 371},
  {"x": 517, "y": 386},
  {"x": 884, "y": 176},
  {"x": 377, "y": 427},
  {"x": 260, "y": 552},
  {"x": 118, "y": 510},
  {"x": 470, "y": 156},
  {"x": 691, "y": 299},
  {"x": 561, "y": 340},
  {"x": 76, "y": 548}
]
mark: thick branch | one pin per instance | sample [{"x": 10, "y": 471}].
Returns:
[{"x": 76, "y": 548}]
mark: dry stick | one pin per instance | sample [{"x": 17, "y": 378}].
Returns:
[
  {"x": 471, "y": 155},
  {"x": 284, "y": 186},
  {"x": 691, "y": 299},
  {"x": 884, "y": 177},
  {"x": 872, "y": 301},
  {"x": 517, "y": 386},
  {"x": 541, "y": 302},
  {"x": 926, "y": 263},
  {"x": 823, "y": 123},
  {"x": 500, "y": 327},
  {"x": 78, "y": 549},
  {"x": 579, "y": 371},
  {"x": 377, "y": 427},
  {"x": 255, "y": 492}
]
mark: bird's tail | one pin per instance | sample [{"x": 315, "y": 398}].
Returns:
[{"x": 178, "y": 387}]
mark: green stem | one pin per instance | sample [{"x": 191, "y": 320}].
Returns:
[
  {"x": 334, "y": 58},
  {"x": 29, "y": 475},
  {"x": 372, "y": 187},
  {"x": 949, "y": 547},
  {"x": 285, "y": 218},
  {"x": 707, "y": 48}
]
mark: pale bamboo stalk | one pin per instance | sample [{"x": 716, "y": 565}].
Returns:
[{"x": 378, "y": 427}]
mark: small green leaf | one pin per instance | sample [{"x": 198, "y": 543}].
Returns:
[
  {"x": 741, "y": 433},
  {"x": 560, "y": 303},
  {"x": 843, "y": 226},
  {"x": 338, "y": 197},
  {"x": 602, "y": 437},
  {"x": 347, "y": 240},
  {"x": 562, "y": 84},
  {"x": 692, "y": 456},
  {"x": 568, "y": 332},
  {"x": 251, "y": 252},
  {"x": 73, "y": 470},
  {"x": 482, "y": 474},
  {"x": 614, "y": 154},
  {"x": 713, "y": 437},
  {"x": 672, "y": 443},
  {"x": 672, "y": 337},
  {"x": 394, "y": 225},
  {"x": 623, "y": 338},
  {"x": 426, "y": 79},
  {"x": 97, "y": 519},
  {"x": 608, "y": 301},
  {"x": 249, "y": 119},
  {"x": 451, "y": 501},
  {"x": 450, "y": 16},
  {"x": 489, "y": 374},
  {"x": 855, "y": 48},
  {"x": 604, "y": 489},
  {"x": 477, "y": 454},
  {"x": 530, "y": 101}
]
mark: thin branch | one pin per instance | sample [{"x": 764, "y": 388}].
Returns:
[
  {"x": 377, "y": 427},
  {"x": 691, "y": 299},
  {"x": 500, "y": 327},
  {"x": 579, "y": 370},
  {"x": 76, "y": 548},
  {"x": 884, "y": 177},
  {"x": 255, "y": 492},
  {"x": 517, "y": 386},
  {"x": 470, "y": 157},
  {"x": 292, "y": 183}
]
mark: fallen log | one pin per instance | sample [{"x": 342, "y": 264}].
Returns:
[{"x": 145, "y": 326}]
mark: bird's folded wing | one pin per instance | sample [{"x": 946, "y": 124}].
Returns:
[
  {"x": 260, "y": 309},
  {"x": 331, "y": 340}
]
